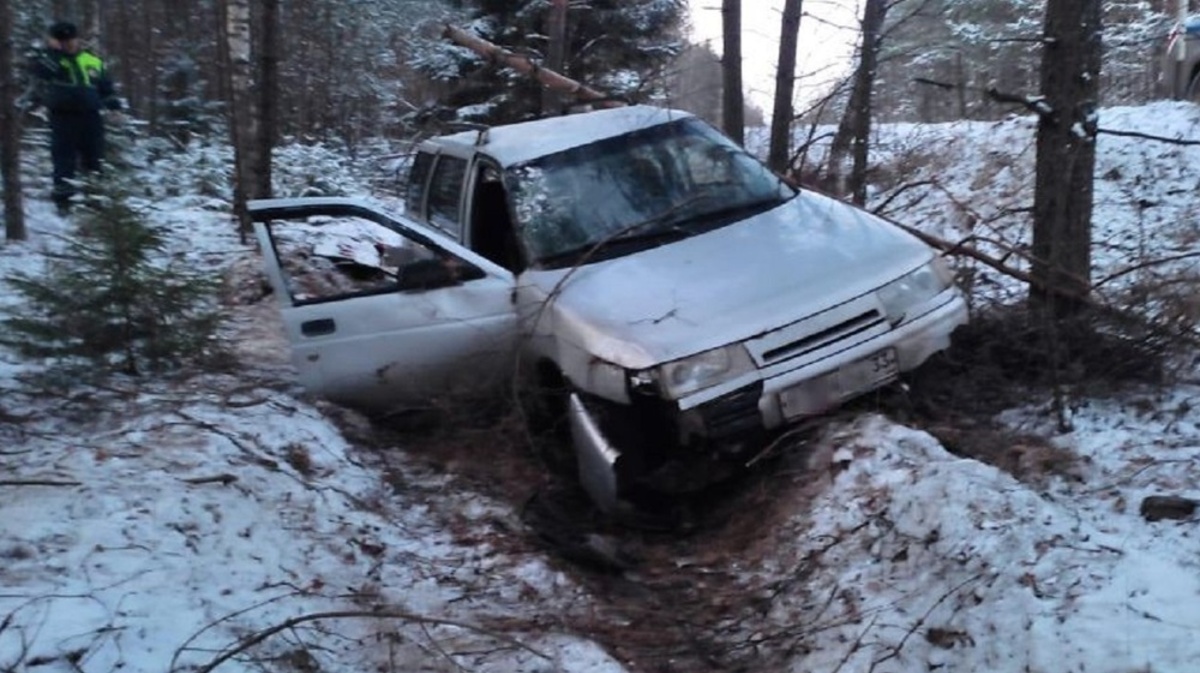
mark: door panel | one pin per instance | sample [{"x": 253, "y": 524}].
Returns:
[{"x": 366, "y": 334}]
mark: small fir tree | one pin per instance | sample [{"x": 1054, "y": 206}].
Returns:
[{"x": 111, "y": 298}]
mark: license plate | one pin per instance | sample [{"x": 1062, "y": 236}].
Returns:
[
  {"x": 869, "y": 372},
  {"x": 824, "y": 392}
]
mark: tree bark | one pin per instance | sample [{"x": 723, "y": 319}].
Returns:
[
  {"x": 556, "y": 53},
  {"x": 785, "y": 88},
  {"x": 10, "y": 131},
  {"x": 268, "y": 94},
  {"x": 733, "y": 115},
  {"x": 853, "y": 138},
  {"x": 525, "y": 66},
  {"x": 243, "y": 124},
  {"x": 90, "y": 25},
  {"x": 1066, "y": 156}
]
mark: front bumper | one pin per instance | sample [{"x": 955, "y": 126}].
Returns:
[
  {"x": 779, "y": 395},
  {"x": 784, "y": 395}
]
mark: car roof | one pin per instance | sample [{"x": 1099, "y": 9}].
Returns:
[{"x": 513, "y": 144}]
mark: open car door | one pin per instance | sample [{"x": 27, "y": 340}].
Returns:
[{"x": 381, "y": 313}]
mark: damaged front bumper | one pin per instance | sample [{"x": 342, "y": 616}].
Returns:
[{"x": 776, "y": 399}]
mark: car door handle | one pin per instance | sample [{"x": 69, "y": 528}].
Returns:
[{"x": 318, "y": 327}]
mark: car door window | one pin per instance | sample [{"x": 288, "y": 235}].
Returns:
[
  {"x": 445, "y": 191},
  {"x": 328, "y": 258}
]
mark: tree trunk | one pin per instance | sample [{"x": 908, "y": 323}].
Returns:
[
  {"x": 853, "y": 137},
  {"x": 90, "y": 25},
  {"x": 525, "y": 66},
  {"x": 733, "y": 116},
  {"x": 268, "y": 94},
  {"x": 556, "y": 54},
  {"x": 1066, "y": 157},
  {"x": 785, "y": 88},
  {"x": 243, "y": 123},
  {"x": 10, "y": 131}
]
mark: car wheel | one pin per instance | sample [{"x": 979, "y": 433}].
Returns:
[
  {"x": 544, "y": 403},
  {"x": 1193, "y": 89}
]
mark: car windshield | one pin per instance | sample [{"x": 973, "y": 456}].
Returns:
[{"x": 637, "y": 190}]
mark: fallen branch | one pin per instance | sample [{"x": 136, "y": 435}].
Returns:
[
  {"x": 960, "y": 249},
  {"x": 38, "y": 482},
  {"x": 224, "y": 479},
  {"x": 527, "y": 66},
  {"x": 895, "y": 651},
  {"x": 256, "y": 638}
]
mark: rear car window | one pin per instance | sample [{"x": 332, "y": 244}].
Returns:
[
  {"x": 418, "y": 176},
  {"x": 444, "y": 192}
]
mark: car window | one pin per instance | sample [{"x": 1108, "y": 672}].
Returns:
[
  {"x": 325, "y": 258},
  {"x": 418, "y": 176},
  {"x": 679, "y": 176},
  {"x": 445, "y": 191}
]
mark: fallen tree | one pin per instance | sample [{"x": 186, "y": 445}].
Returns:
[{"x": 527, "y": 66}]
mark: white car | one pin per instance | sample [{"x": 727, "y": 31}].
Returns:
[{"x": 674, "y": 296}]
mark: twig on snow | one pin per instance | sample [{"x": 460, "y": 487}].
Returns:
[
  {"x": 258, "y": 637},
  {"x": 224, "y": 479},
  {"x": 895, "y": 652},
  {"x": 38, "y": 482}
]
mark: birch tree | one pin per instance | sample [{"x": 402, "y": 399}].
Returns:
[
  {"x": 10, "y": 130},
  {"x": 785, "y": 88},
  {"x": 243, "y": 123},
  {"x": 733, "y": 115}
]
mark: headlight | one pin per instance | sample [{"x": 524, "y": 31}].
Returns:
[
  {"x": 702, "y": 370},
  {"x": 915, "y": 288}
]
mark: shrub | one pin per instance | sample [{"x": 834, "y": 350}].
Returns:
[{"x": 109, "y": 299}]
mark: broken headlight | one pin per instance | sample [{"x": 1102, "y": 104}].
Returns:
[
  {"x": 912, "y": 289},
  {"x": 687, "y": 375}
]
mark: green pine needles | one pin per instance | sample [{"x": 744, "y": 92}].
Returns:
[{"x": 111, "y": 299}]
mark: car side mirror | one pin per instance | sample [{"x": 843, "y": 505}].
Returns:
[{"x": 430, "y": 274}]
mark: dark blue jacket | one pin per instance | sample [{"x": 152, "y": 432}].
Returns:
[{"x": 73, "y": 83}]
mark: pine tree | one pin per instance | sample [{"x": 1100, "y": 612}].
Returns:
[
  {"x": 110, "y": 300},
  {"x": 616, "y": 46}
]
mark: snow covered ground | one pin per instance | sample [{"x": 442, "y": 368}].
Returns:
[{"x": 179, "y": 524}]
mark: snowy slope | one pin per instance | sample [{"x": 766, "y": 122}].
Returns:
[{"x": 156, "y": 526}]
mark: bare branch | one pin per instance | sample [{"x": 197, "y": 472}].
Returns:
[
  {"x": 38, "y": 482},
  {"x": 258, "y": 637}
]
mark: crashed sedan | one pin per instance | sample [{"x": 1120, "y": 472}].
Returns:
[{"x": 641, "y": 273}]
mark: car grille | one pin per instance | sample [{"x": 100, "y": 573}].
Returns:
[
  {"x": 842, "y": 330},
  {"x": 821, "y": 335},
  {"x": 733, "y": 414}
]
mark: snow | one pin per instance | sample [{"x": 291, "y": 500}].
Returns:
[
  {"x": 177, "y": 517},
  {"x": 517, "y": 143}
]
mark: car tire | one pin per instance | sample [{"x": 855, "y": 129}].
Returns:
[
  {"x": 1193, "y": 89},
  {"x": 544, "y": 405}
]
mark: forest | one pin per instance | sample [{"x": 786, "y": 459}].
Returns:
[{"x": 173, "y": 497}]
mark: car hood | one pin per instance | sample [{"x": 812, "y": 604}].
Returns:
[{"x": 727, "y": 285}]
